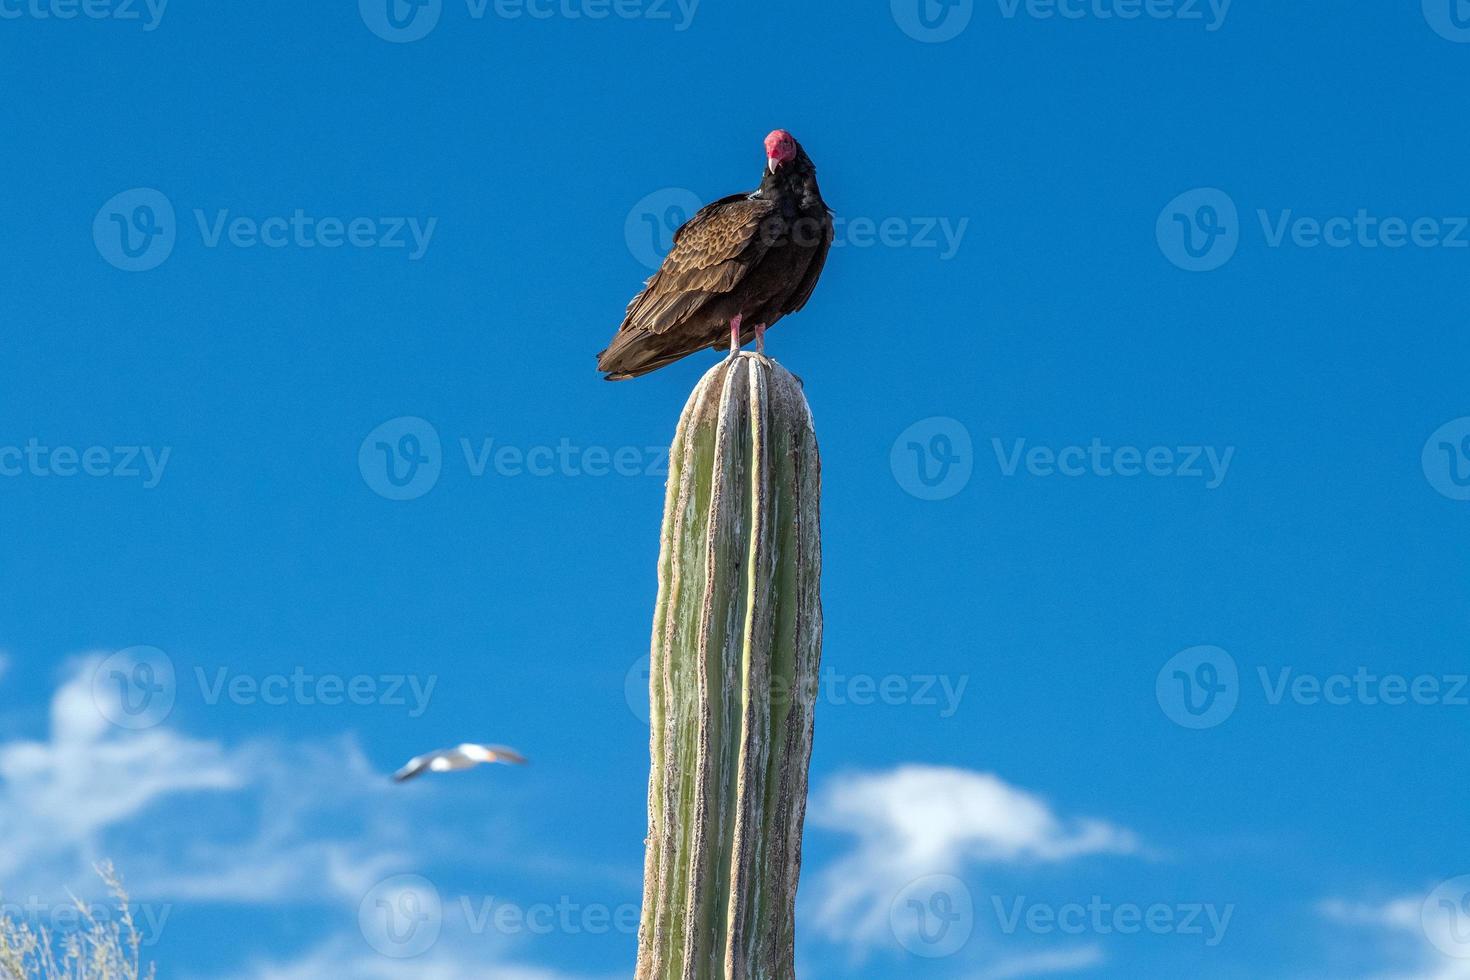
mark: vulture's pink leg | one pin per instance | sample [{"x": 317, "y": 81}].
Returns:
[
  {"x": 735, "y": 335},
  {"x": 760, "y": 338}
]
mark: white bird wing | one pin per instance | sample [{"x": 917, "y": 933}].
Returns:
[
  {"x": 417, "y": 766},
  {"x": 501, "y": 753},
  {"x": 461, "y": 757}
]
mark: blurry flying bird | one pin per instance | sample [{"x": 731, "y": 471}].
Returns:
[{"x": 465, "y": 756}]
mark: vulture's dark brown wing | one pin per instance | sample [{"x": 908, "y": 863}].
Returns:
[{"x": 712, "y": 253}]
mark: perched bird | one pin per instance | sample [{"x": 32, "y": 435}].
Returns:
[
  {"x": 736, "y": 267},
  {"x": 464, "y": 756}
]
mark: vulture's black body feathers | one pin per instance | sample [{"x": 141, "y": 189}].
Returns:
[{"x": 757, "y": 256}]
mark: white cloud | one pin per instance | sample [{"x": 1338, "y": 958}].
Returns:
[
  {"x": 1407, "y": 939},
  {"x": 196, "y": 820},
  {"x": 1037, "y": 964},
  {"x": 60, "y": 795},
  {"x": 186, "y": 818},
  {"x": 346, "y": 957},
  {"x": 920, "y": 820}
]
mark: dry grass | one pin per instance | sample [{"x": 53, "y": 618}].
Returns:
[{"x": 96, "y": 950}]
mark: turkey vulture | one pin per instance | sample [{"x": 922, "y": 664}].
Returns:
[
  {"x": 463, "y": 756},
  {"x": 736, "y": 267}
]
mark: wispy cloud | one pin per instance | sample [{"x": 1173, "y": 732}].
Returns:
[
  {"x": 1040, "y": 964},
  {"x": 263, "y": 822},
  {"x": 1410, "y": 941},
  {"x": 187, "y": 818},
  {"x": 61, "y": 794},
  {"x": 920, "y": 820},
  {"x": 345, "y": 957},
  {"x": 196, "y": 820}
]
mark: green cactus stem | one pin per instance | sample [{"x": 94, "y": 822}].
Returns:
[{"x": 737, "y": 641}]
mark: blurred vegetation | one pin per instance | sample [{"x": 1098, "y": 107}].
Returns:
[{"x": 95, "y": 950}]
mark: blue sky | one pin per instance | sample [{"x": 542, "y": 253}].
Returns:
[{"x": 1139, "y": 375}]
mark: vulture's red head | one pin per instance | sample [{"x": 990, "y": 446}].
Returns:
[{"x": 781, "y": 147}]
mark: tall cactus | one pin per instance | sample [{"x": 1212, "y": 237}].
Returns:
[{"x": 737, "y": 639}]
